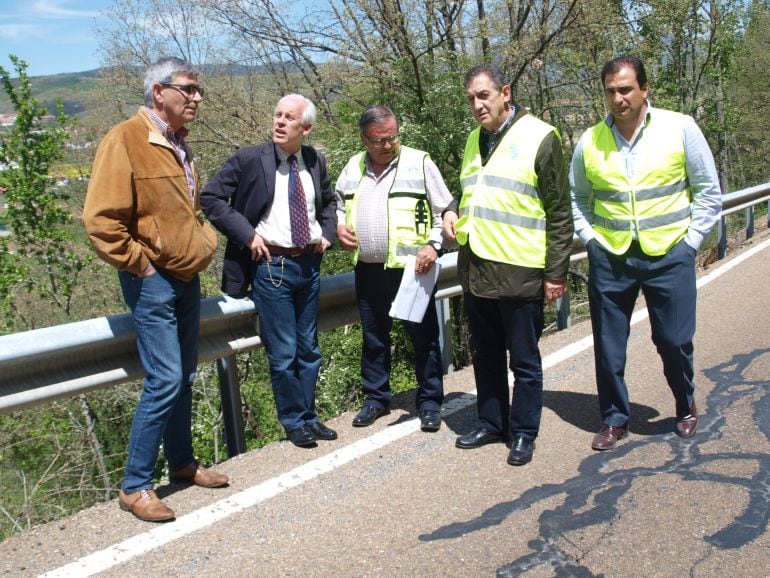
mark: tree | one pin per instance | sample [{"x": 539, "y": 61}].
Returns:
[
  {"x": 48, "y": 458},
  {"x": 747, "y": 90},
  {"x": 40, "y": 254}
]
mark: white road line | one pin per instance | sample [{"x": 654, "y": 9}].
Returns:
[
  {"x": 208, "y": 515},
  {"x": 168, "y": 532}
]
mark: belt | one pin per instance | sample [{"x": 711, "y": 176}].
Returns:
[{"x": 291, "y": 251}]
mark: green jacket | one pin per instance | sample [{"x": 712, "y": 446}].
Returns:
[{"x": 493, "y": 280}]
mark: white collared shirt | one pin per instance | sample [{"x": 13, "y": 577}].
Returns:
[{"x": 275, "y": 227}]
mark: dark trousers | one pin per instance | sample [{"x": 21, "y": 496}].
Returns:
[
  {"x": 285, "y": 293},
  {"x": 668, "y": 285},
  {"x": 502, "y": 327},
  {"x": 375, "y": 289}
]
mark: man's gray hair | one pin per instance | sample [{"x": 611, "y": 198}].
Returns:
[
  {"x": 376, "y": 114},
  {"x": 163, "y": 72},
  {"x": 308, "y": 111}
]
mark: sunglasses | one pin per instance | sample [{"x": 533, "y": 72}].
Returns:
[{"x": 188, "y": 89}]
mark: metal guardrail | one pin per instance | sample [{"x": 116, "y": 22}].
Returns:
[{"x": 63, "y": 361}]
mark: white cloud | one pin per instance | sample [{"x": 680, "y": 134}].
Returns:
[{"x": 57, "y": 9}]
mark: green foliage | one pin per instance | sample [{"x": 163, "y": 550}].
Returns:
[
  {"x": 748, "y": 86},
  {"x": 37, "y": 212},
  {"x": 59, "y": 458}
]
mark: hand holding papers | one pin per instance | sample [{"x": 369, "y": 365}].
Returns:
[{"x": 414, "y": 292}]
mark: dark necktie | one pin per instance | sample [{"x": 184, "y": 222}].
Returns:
[{"x": 300, "y": 229}]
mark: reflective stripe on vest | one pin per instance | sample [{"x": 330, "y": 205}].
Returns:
[
  {"x": 410, "y": 218},
  {"x": 656, "y": 202},
  {"x": 501, "y": 212}
]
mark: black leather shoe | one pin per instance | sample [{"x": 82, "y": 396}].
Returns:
[
  {"x": 430, "y": 420},
  {"x": 322, "y": 432},
  {"x": 368, "y": 415},
  {"x": 478, "y": 438},
  {"x": 521, "y": 450},
  {"x": 302, "y": 437}
]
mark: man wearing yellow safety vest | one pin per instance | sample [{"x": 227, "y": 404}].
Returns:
[
  {"x": 645, "y": 193},
  {"x": 389, "y": 203},
  {"x": 514, "y": 227}
]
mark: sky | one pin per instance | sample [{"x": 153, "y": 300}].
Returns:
[{"x": 53, "y": 36}]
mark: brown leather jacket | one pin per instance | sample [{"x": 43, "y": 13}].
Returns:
[{"x": 138, "y": 207}]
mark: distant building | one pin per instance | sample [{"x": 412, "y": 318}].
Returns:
[{"x": 9, "y": 119}]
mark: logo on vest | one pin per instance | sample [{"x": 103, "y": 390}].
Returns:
[
  {"x": 513, "y": 151},
  {"x": 421, "y": 217}
]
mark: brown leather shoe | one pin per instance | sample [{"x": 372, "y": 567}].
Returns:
[
  {"x": 608, "y": 437},
  {"x": 195, "y": 473},
  {"x": 686, "y": 426},
  {"x": 145, "y": 505}
]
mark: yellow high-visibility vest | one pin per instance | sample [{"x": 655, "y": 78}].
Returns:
[
  {"x": 410, "y": 218},
  {"x": 501, "y": 212},
  {"x": 656, "y": 201}
]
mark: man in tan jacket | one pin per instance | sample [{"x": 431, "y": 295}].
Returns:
[{"x": 143, "y": 217}]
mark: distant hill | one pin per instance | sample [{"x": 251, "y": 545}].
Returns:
[{"x": 73, "y": 89}]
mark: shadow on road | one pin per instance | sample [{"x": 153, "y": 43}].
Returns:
[{"x": 591, "y": 498}]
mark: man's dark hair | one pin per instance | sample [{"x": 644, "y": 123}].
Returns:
[
  {"x": 491, "y": 70},
  {"x": 376, "y": 114},
  {"x": 614, "y": 66}
]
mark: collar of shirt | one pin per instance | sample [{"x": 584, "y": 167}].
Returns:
[
  {"x": 489, "y": 140},
  {"x": 610, "y": 120},
  {"x": 370, "y": 171},
  {"x": 177, "y": 137},
  {"x": 282, "y": 157},
  {"x": 176, "y": 140}
]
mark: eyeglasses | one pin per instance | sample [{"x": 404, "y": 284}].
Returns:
[
  {"x": 380, "y": 142},
  {"x": 187, "y": 89}
]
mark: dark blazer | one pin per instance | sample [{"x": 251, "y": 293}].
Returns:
[{"x": 239, "y": 195}]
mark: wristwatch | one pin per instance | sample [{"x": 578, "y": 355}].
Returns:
[{"x": 436, "y": 247}]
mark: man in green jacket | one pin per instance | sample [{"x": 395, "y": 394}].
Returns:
[{"x": 514, "y": 227}]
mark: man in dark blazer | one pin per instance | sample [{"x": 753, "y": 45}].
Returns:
[{"x": 274, "y": 247}]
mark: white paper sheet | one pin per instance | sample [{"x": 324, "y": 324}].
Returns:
[{"x": 414, "y": 292}]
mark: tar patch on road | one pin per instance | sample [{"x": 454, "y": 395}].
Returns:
[{"x": 592, "y": 497}]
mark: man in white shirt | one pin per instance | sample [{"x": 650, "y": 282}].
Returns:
[
  {"x": 389, "y": 203},
  {"x": 251, "y": 201}
]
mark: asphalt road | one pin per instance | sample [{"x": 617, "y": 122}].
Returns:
[{"x": 390, "y": 500}]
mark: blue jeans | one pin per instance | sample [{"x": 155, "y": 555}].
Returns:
[
  {"x": 501, "y": 328},
  {"x": 376, "y": 287},
  {"x": 285, "y": 293},
  {"x": 668, "y": 285},
  {"x": 166, "y": 314}
]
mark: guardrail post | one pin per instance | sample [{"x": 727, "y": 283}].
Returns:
[
  {"x": 230, "y": 390},
  {"x": 722, "y": 238},
  {"x": 563, "y": 320},
  {"x": 444, "y": 335},
  {"x": 749, "y": 222}
]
